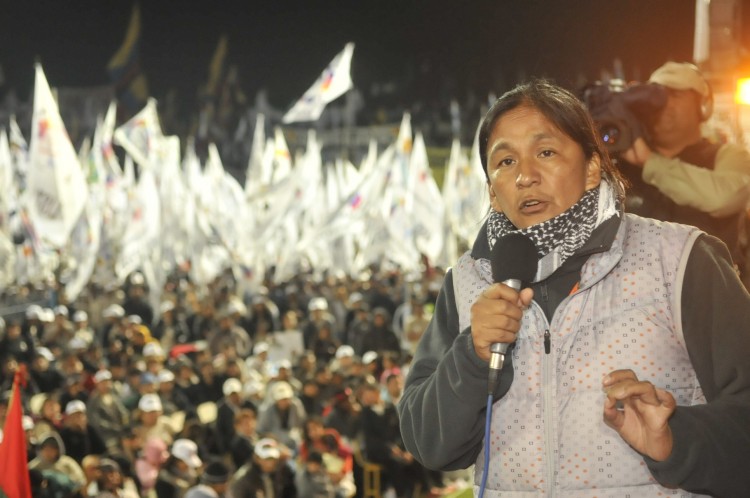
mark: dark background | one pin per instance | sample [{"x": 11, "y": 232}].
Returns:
[{"x": 423, "y": 46}]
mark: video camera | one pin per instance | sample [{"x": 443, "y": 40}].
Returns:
[{"x": 619, "y": 110}]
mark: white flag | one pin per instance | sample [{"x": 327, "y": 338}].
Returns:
[
  {"x": 333, "y": 82},
  {"x": 56, "y": 187},
  {"x": 140, "y": 135}
]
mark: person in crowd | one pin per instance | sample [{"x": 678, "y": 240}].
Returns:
[
  {"x": 630, "y": 337},
  {"x": 414, "y": 325},
  {"x": 337, "y": 459},
  {"x": 136, "y": 301},
  {"x": 228, "y": 333},
  {"x": 181, "y": 470},
  {"x": 380, "y": 337},
  {"x": 312, "y": 480},
  {"x": 47, "y": 378},
  {"x": 171, "y": 327},
  {"x": 264, "y": 318},
  {"x": 172, "y": 399},
  {"x": 343, "y": 414},
  {"x": 381, "y": 443},
  {"x": 283, "y": 417},
  {"x": 112, "y": 482},
  {"x": 226, "y": 410},
  {"x": 14, "y": 345},
  {"x": 359, "y": 326},
  {"x": 267, "y": 474},
  {"x": 213, "y": 482},
  {"x": 49, "y": 418},
  {"x": 155, "y": 453},
  {"x": 245, "y": 436},
  {"x": 78, "y": 435},
  {"x": 150, "y": 420},
  {"x": 680, "y": 175},
  {"x": 81, "y": 327},
  {"x": 51, "y": 456},
  {"x": 106, "y": 413},
  {"x": 311, "y": 398},
  {"x": 324, "y": 344},
  {"x": 209, "y": 385},
  {"x": 112, "y": 333},
  {"x": 318, "y": 316}
]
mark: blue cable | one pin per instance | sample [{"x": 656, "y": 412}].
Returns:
[{"x": 487, "y": 421}]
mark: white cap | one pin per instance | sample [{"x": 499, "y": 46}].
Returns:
[
  {"x": 317, "y": 303},
  {"x": 369, "y": 357},
  {"x": 61, "y": 310},
  {"x": 34, "y": 311},
  {"x": 253, "y": 387},
  {"x": 261, "y": 347},
  {"x": 150, "y": 403},
  {"x": 77, "y": 343},
  {"x": 235, "y": 306},
  {"x": 113, "y": 311},
  {"x": 231, "y": 385},
  {"x": 187, "y": 451},
  {"x": 284, "y": 364},
  {"x": 344, "y": 351},
  {"x": 153, "y": 349},
  {"x": 102, "y": 375},
  {"x": 135, "y": 319},
  {"x": 166, "y": 306},
  {"x": 80, "y": 316},
  {"x": 281, "y": 390},
  {"x": 27, "y": 423},
  {"x": 267, "y": 448},
  {"x": 45, "y": 353},
  {"x": 165, "y": 375},
  {"x": 137, "y": 279},
  {"x": 47, "y": 315},
  {"x": 75, "y": 406}
]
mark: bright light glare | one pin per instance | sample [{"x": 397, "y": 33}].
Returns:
[{"x": 743, "y": 91}]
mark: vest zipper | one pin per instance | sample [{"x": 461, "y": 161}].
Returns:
[
  {"x": 549, "y": 429},
  {"x": 547, "y": 345}
]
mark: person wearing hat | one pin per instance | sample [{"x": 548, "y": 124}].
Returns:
[
  {"x": 112, "y": 482},
  {"x": 267, "y": 474},
  {"x": 51, "y": 457},
  {"x": 317, "y": 317},
  {"x": 136, "y": 302},
  {"x": 172, "y": 400},
  {"x": 106, "y": 412},
  {"x": 78, "y": 435},
  {"x": 213, "y": 482},
  {"x": 150, "y": 420},
  {"x": 181, "y": 470},
  {"x": 154, "y": 454},
  {"x": 284, "y": 416},
  {"x": 226, "y": 409},
  {"x": 47, "y": 377},
  {"x": 680, "y": 175},
  {"x": 245, "y": 436}
]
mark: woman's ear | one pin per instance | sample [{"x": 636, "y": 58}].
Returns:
[
  {"x": 494, "y": 204},
  {"x": 593, "y": 171}
]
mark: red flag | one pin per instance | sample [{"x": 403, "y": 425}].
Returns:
[{"x": 14, "y": 469}]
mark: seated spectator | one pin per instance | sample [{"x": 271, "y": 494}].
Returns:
[
  {"x": 284, "y": 416},
  {"x": 245, "y": 436},
  {"x": 150, "y": 422},
  {"x": 51, "y": 456},
  {"x": 106, "y": 413},
  {"x": 268, "y": 467},
  {"x": 313, "y": 480},
  {"x": 213, "y": 482},
  {"x": 337, "y": 458},
  {"x": 148, "y": 465},
  {"x": 181, "y": 470},
  {"x": 78, "y": 435}
]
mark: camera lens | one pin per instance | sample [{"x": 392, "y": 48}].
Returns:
[{"x": 610, "y": 134}]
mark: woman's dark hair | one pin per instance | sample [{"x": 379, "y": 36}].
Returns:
[{"x": 565, "y": 111}]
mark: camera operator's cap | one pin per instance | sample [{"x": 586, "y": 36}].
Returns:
[
  {"x": 267, "y": 448},
  {"x": 231, "y": 385},
  {"x": 75, "y": 406},
  {"x": 681, "y": 76},
  {"x": 187, "y": 451}
]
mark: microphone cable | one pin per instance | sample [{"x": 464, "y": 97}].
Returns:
[{"x": 486, "y": 469}]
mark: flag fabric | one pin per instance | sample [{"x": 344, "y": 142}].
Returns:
[
  {"x": 125, "y": 70},
  {"x": 14, "y": 470},
  {"x": 56, "y": 190},
  {"x": 332, "y": 83},
  {"x": 216, "y": 67},
  {"x": 141, "y": 135}
]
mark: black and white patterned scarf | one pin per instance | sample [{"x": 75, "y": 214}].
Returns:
[{"x": 558, "y": 238}]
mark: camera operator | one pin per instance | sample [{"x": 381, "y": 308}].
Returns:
[{"x": 681, "y": 176}]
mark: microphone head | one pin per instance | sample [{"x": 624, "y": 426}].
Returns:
[{"x": 514, "y": 257}]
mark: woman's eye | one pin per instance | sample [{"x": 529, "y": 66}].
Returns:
[
  {"x": 505, "y": 162},
  {"x": 547, "y": 153}
]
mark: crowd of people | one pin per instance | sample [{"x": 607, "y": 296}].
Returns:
[{"x": 283, "y": 392}]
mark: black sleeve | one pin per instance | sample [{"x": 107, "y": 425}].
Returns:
[
  {"x": 711, "y": 452},
  {"x": 443, "y": 407}
]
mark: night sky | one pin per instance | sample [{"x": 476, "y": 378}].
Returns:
[{"x": 426, "y": 47}]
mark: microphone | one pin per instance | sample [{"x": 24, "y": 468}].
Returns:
[{"x": 513, "y": 260}]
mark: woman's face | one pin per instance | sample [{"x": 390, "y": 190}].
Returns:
[{"x": 535, "y": 170}]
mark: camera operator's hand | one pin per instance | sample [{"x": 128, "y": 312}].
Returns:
[{"x": 638, "y": 153}]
